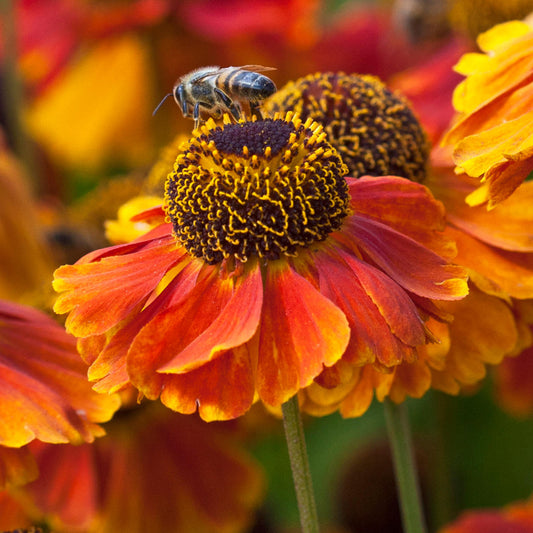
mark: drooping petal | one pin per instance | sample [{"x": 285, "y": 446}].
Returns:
[
  {"x": 384, "y": 322},
  {"x": 396, "y": 254},
  {"x": 100, "y": 294},
  {"x": 196, "y": 330},
  {"x": 405, "y": 206},
  {"x": 176, "y": 354},
  {"x": 221, "y": 389},
  {"x": 300, "y": 331},
  {"x": 475, "y": 341}
]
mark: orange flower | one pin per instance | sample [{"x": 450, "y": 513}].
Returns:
[
  {"x": 153, "y": 471},
  {"x": 44, "y": 392},
  {"x": 495, "y": 246},
  {"x": 515, "y": 518},
  {"x": 272, "y": 266},
  {"x": 493, "y": 137}
]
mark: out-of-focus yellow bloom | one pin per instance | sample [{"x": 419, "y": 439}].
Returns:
[{"x": 98, "y": 110}]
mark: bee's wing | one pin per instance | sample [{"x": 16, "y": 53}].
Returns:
[
  {"x": 209, "y": 72},
  {"x": 256, "y": 68}
]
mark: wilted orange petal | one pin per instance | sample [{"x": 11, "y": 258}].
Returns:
[
  {"x": 300, "y": 331},
  {"x": 407, "y": 262},
  {"x": 504, "y": 178},
  {"x": 99, "y": 295}
]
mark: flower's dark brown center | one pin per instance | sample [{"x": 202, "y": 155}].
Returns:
[
  {"x": 264, "y": 189},
  {"x": 374, "y": 130}
]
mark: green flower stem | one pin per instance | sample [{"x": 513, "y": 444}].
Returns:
[
  {"x": 404, "y": 467},
  {"x": 301, "y": 472}
]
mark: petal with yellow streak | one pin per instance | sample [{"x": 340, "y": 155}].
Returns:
[
  {"x": 99, "y": 295},
  {"x": 301, "y": 330}
]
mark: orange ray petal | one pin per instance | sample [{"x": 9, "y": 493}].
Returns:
[
  {"x": 109, "y": 358},
  {"x": 300, "y": 331},
  {"x": 217, "y": 315},
  {"x": 494, "y": 270},
  {"x": 506, "y": 226},
  {"x": 94, "y": 297},
  {"x": 505, "y": 177},
  {"x": 222, "y": 389},
  {"x": 403, "y": 205},
  {"x": 410, "y": 264},
  {"x": 383, "y": 321},
  {"x": 483, "y": 332}
]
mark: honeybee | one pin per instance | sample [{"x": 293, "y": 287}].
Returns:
[{"x": 212, "y": 91}]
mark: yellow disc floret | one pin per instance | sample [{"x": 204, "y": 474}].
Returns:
[{"x": 258, "y": 188}]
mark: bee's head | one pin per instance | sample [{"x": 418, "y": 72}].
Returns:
[{"x": 179, "y": 96}]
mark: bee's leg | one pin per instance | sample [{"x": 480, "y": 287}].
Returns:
[
  {"x": 227, "y": 101},
  {"x": 196, "y": 115},
  {"x": 255, "y": 110}
]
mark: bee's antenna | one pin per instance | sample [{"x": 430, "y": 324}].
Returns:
[{"x": 161, "y": 103}]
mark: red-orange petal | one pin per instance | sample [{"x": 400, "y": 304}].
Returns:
[
  {"x": 403, "y": 205},
  {"x": 300, "y": 331},
  {"x": 222, "y": 389},
  {"x": 413, "y": 266},
  {"x": 383, "y": 321},
  {"x": 99, "y": 295},
  {"x": 218, "y": 314}
]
